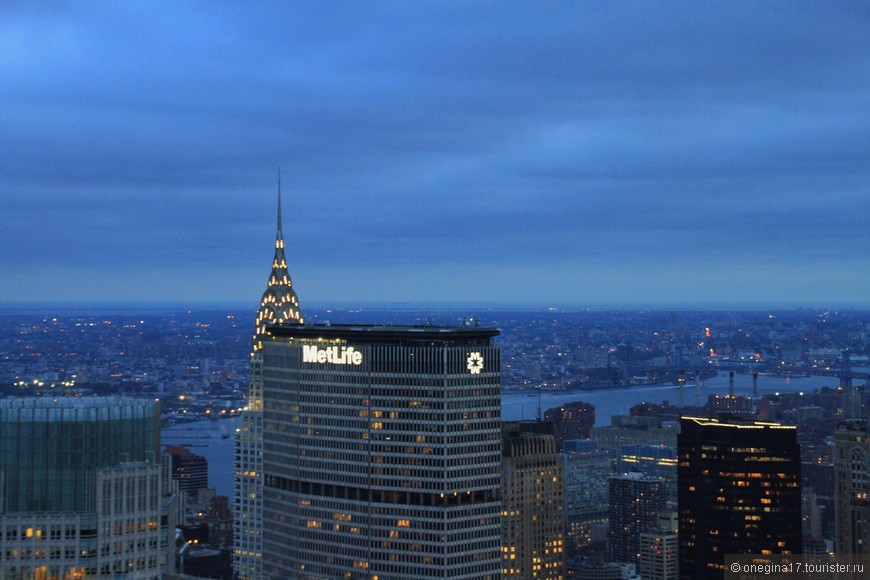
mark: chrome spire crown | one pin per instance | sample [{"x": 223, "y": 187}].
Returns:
[{"x": 279, "y": 304}]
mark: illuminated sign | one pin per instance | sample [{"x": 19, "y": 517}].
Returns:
[
  {"x": 475, "y": 363},
  {"x": 345, "y": 355}
]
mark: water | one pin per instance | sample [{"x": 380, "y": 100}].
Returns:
[
  {"x": 206, "y": 437},
  {"x": 212, "y": 439},
  {"x": 609, "y": 402}
]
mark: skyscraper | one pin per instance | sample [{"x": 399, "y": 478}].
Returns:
[
  {"x": 651, "y": 460},
  {"x": 635, "y": 501},
  {"x": 571, "y": 421},
  {"x": 279, "y": 305},
  {"x": 851, "y": 487},
  {"x": 586, "y": 497},
  {"x": 533, "y": 498},
  {"x": 82, "y": 490},
  {"x": 659, "y": 548},
  {"x": 739, "y": 492},
  {"x": 382, "y": 452},
  {"x": 190, "y": 469}
]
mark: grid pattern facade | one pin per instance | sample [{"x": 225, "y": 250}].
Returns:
[
  {"x": 635, "y": 501},
  {"x": 851, "y": 487},
  {"x": 76, "y": 511},
  {"x": 247, "y": 496},
  {"x": 658, "y": 555},
  {"x": 654, "y": 461},
  {"x": 55, "y": 445},
  {"x": 571, "y": 421},
  {"x": 739, "y": 492},
  {"x": 533, "y": 496},
  {"x": 189, "y": 469},
  {"x": 586, "y": 497},
  {"x": 389, "y": 468}
]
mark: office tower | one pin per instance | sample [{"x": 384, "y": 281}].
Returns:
[
  {"x": 851, "y": 486},
  {"x": 739, "y": 492},
  {"x": 586, "y": 497},
  {"x": 382, "y": 452},
  {"x": 571, "y": 421},
  {"x": 635, "y": 501},
  {"x": 533, "y": 518},
  {"x": 82, "y": 493},
  {"x": 279, "y": 305},
  {"x": 634, "y": 430},
  {"x": 811, "y": 523},
  {"x": 189, "y": 469},
  {"x": 651, "y": 460},
  {"x": 659, "y": 549}
]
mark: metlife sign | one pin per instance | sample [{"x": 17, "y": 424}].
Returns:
[{"x": 346, "y": 355}]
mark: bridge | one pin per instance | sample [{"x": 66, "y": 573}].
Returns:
[{"x": 680, "y": 372}]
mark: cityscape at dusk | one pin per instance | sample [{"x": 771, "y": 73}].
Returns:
[
  {"x": 426, "y": 290},
  {"x": 605, "y": 154}
]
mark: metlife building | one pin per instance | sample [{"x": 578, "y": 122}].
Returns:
[{"x": 382, "y": 452}]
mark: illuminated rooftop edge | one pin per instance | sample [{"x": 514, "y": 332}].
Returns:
[{"x": 738, "y": 423}]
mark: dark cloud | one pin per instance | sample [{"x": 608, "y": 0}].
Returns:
[{"x": 424, "y": 145}]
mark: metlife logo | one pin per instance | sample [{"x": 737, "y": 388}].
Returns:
[{"x": 346, "y": 355}]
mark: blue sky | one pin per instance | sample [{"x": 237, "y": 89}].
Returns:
[{"x": 564, "y": 153}]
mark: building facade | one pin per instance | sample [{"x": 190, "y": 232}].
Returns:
[
  {"x": 82, "y": 491},
  {"x": 652, "y": 460},
  {"x": 533, "y": 498},
  {"x": 382, "y": 452},
  {"x": 586, "y": 497},
  {"x": 278, "y": 305},
  {"x": 739, "y": 492},
  {"x": 189, "y": 469},
  {"x": 659, "y": 549},
  {"x": 571, "y": 421},
  {"x": 851, "y": 487},
  {"x": 635, "y": 501}
]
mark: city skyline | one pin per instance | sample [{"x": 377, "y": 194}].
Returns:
[{"x": 625, "y": 154}]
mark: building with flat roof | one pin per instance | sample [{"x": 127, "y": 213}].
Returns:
[
  {"x": 189, "y": 469},
  {"x": 586, "y": 497},
  {"x": 533, "y": 499},
  {"x": 82, "y": 489},
  {"x": 659, "y": 549},
  {"x": 739, "y": 492},
  {"x": 571, "y": 421},
  {"x": 635, "y": 501},
  {"x": 381, "y": 452}
]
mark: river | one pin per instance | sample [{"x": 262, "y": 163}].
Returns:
[{"x": 214, "y": 439}]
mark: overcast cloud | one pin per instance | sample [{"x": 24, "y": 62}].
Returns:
[{"x": 474, "y": 152}]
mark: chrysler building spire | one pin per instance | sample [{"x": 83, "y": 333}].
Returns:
[{"x": 279, "y": 304}]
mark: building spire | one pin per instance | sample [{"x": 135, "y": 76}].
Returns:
[
  {"x": 279, "y": 304},
  {"x": 280, "y": 232}
]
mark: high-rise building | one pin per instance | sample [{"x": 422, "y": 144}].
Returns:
[
  {"x": 634, "y": 430},
  {"x": 586, "y": 497},
  {"x": 279, "y": 305},
  {"x": 651, "y": 460},
  {"x": 739, "y": 492},
  {"x": 635, "y": 501},
  {"x": 659, "y": 549},
  {"x": 82, "y": 491},
  {"x": 571, "y": 421},
  {"x": 533, "y": 496},
  {"x": 852, "y": 487},
  {"x": 382, "y": 452},
  {"x": 190, "y": 469}
]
